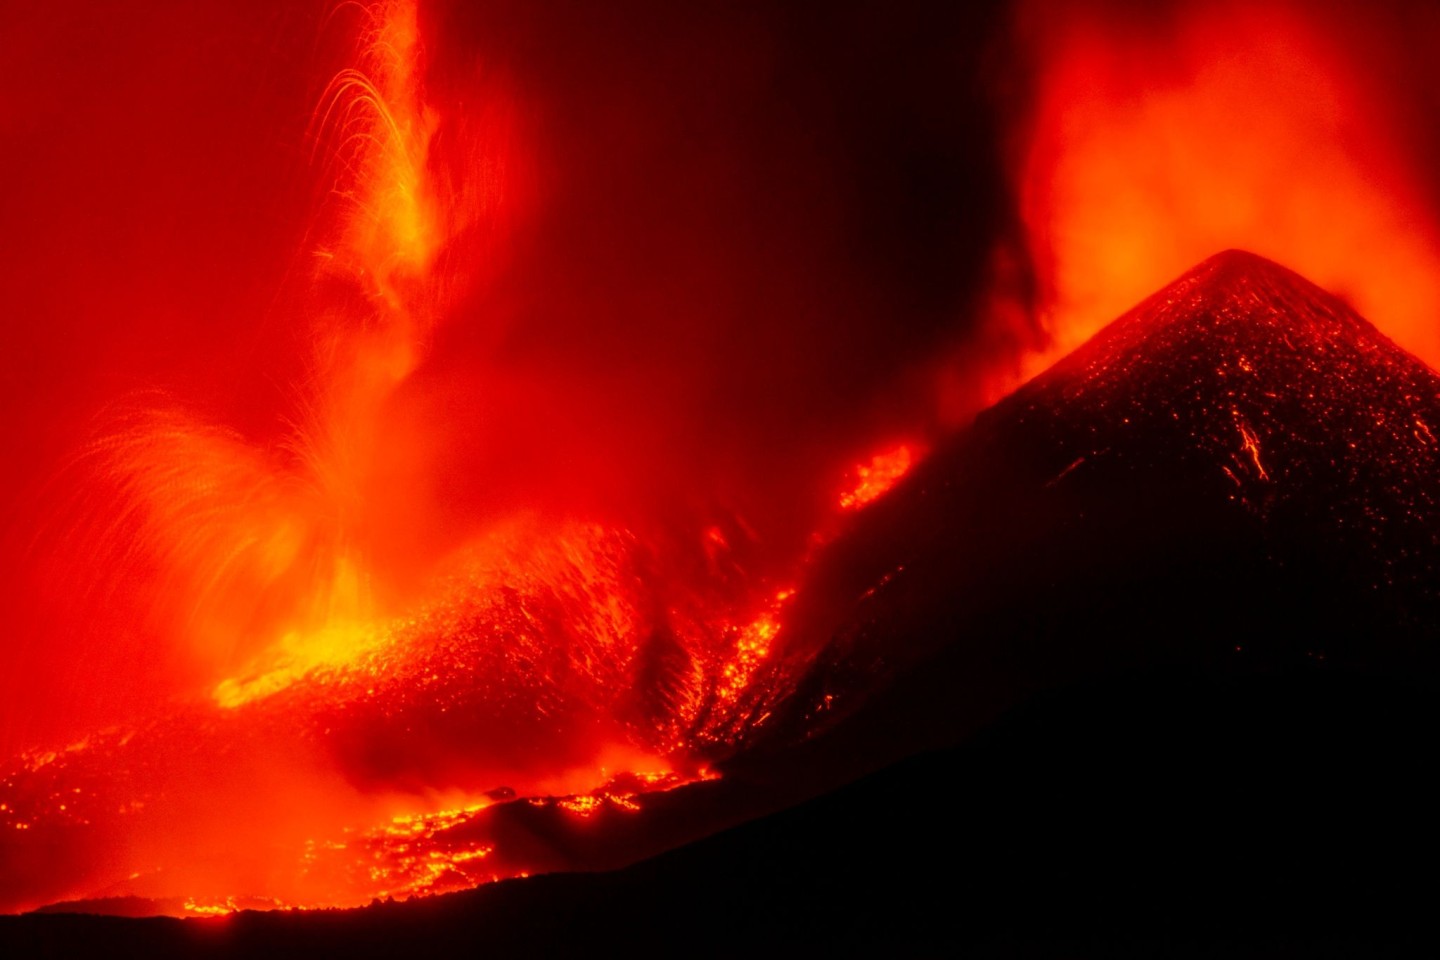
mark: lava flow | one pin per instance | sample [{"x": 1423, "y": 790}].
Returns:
[{"x": 353, "y": 690}]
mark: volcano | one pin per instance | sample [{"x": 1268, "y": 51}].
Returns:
[
  {"x": 1157, "y": 635},
  {"x": 1237, "y": 474}
]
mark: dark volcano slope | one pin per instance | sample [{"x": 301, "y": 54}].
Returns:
[
  {"x": 1239, "y": 477},
  {"x": 1171, "y": 614}
]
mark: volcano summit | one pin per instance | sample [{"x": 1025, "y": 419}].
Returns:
[{"x": 1238, "y": 472}]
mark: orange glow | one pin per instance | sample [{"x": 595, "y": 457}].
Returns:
[
  {"x": 584, "y": 806},
  {"x": 376, "y": 632},
  {"x": 537, "y": 631},
  {"x": 875, "y": 478},
  {"x": 372, "y": 123},
  {"x": 1158, "y": 142},
  {"x": 359, "y": 857},
  {"x": 752, "y": 646},
  {"x": 202, "y": 909},
  {"x": 253, "y": 560}
]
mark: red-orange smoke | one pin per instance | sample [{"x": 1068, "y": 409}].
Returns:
[
  {"x": 228, "y": 550},
  {"x": 1161, "y": 136},
  {"x": 508, "y": 486}
]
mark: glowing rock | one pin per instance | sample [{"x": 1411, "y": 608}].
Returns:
[{"x": 1239, "y": 473}]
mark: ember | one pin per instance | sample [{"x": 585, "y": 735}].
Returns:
[{"x": 877, "y": 477}]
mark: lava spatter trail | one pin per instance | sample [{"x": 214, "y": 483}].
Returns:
[{"x": 537, "y": 669}]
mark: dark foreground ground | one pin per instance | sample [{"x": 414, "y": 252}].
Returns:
[{"x": 1254, "y": 815}]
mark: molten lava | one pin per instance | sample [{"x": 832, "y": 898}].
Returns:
[
  {"x": 879, "y": 475},
  {"x": 1236, "y": 478},
  {"x": 355, "y": 671}
]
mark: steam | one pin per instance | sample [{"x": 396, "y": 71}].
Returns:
[{"x": 1156, "y": 141}]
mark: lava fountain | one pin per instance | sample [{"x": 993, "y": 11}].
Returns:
[{"x": 332, "y": 650}]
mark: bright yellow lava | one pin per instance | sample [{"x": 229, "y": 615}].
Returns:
[{"x": 873, "y": 479}]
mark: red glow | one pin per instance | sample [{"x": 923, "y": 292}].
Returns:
[
  {"x": 362, "y": 668},
  {"x": 1267, "y": 127},
  {"x": 876, "y": 477},
  {"x": 409, "y": 437}
]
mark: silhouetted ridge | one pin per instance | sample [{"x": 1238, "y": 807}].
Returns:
[
  {"x": 1240, "y": 471},
  {"x": 1233, "y": 308}
]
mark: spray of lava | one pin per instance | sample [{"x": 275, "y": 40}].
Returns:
[
  {"x": 259, "y": 555},
  {"x": 328, "y": 681}
]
